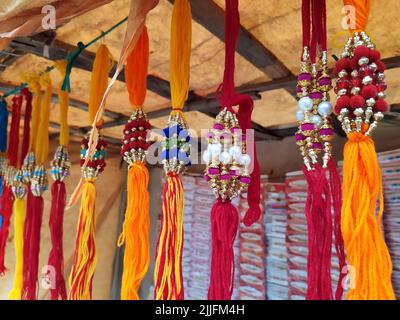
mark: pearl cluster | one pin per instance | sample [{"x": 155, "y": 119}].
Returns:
[
  {"x": 314, "y": 110},
  {"x": 227, "y": 162},
  {"x": 360, "y": 86},
  {"x": 39, "y": 182},
  {"x": 96, "y": 163},
  {"x": 135, "y": 144},
  {"x": 60, "y": 165},
  {"x": 175, "y": 152}
]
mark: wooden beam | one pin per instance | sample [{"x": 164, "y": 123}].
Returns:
[{"x": 208, "y": 14}]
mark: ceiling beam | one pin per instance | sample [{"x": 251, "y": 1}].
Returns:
[{"x": 212, "y": 17}]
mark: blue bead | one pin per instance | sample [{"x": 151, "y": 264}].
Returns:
[
  {"x": 166, "y": 132},
  {"x": 164, "y": 155},
  {"x": 173, "y": 153}
]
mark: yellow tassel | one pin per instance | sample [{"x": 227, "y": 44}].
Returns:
[
  {"x": 42, "y": 138},
  {"x": 367, "y": 254},
  {"x": 102, "y": 65},
  {"x": 85, "y": 257},
  {"x": 135, "y": 232},
  {"x": 19, "y": 216},
  {"x": 168, "y": 268},
  {"x": 181, "y": 44},
  {"x": 61, "y": 66},
  {"x": 34, "y": 86}
]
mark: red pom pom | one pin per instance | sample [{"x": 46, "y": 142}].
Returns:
[
  {"x": 357, "y": 102},
  {"x": 374, "y": 55},
  {"x": 381, "y": 66},
  {"x": 342, "y": 64},
  {"x": 361, "y": 51},
  {"x": 369, "y": 91},
  {"x": 381, "y": 105},
  {"x": 354, "y": 63},
  {"x": 342, "y": 102}
]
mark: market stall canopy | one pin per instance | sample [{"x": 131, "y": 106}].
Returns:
[{"x": 267, "y": 57}]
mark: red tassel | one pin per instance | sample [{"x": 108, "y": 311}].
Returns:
[
  {"x": 336, "y": 192},
  {"x": 56, "y": 258},
  {"x": 224, "y": 225},
  {"x": 33, "y": 222},
  {"x": 7, "y": 200}
]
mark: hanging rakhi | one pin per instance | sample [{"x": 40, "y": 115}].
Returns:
[
  {"x": 360, "y": 106},
  {"x": 135, "y": 230},
  {"x": 229, "y": 167},
  {"x": 38, "y": 185},
  {"x": 3, "y": 143},
  {"x": 85, "y": 256},
  {"x": 19, "y": 189},
  {"x": 314, "y": 138},
  {"x": 59, "y": 172},
  {"x": 175, "y": 157},
  {"x": 9, "y": 170}
]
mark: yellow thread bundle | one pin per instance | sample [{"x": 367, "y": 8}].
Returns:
[{"x": 19, "y": 216}]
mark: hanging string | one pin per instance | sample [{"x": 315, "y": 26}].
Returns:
[
  {"x": 20, "y": 203},
  {"x": 7, "y": 197},
  {"x": 3, "y": 145},
  {"x": 168, "y": 270},
  {"x": 135, "y": 230},
  {"x": 85, "y": 256},
  {"x": 59, "y": 171}
]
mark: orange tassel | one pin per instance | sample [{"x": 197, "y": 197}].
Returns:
[{"x": 367, "y": 253}]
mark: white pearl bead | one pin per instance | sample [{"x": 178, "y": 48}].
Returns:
[
  {"x": 215, "y": 149},
  {"x": 316, "y": 119},
  {"x": 305, "y": 104},
  {"x": 245, "y": 159},
  {"x": 235, "y": 152},
  {"x": 300, "y": 115},
  {"x": 207, "y": 156},
  {"x": 325, "y": 108},
  {"x": 225, "y": 157}
]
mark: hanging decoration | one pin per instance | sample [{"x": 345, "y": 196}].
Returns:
[
  {"x": 360, "y": 105},
  {"x": 3, "y": 142},
  {"x": 60, "y": 166},
  {"x": 230, "y": 169},
  {"x": 37, "y": 178},
  {"x": 135, "y": 230},
  {"x": 314, "y": 139},
  {"x": 19, "y": 189},
  {"x": 9, "y": 170},
  {"x": 175, "y": 158},
  {"x": 85, "y": 256}
]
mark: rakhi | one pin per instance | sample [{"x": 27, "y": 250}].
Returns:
[
  {"x": 228, "y": 167},
  {"x": 314, "y": 139},
  {"x": 93, "y": 164},
  {"x": 19, "y": 189},
  {"x": 168, "y": 281},
  {"x": 60, "y": 166},
  {"x": 135, "y": 230},
  {"x": 9, "y": 170},
  {"x": 36, "y": 176},
  {"x": 360, "y": 105}
]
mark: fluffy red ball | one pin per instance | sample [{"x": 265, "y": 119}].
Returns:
[
  {"x": 357, "y": 101},
  {"x": 354, "y": 64},
  {"x": 381, "y": 66},
  {"x": 342, "y": 102},
  {"x": 381, "y": 105},
  {"x": 361, "y": 51},
  {"x": 369, "y": 91},
  {"x": 341, "y": 64},
  {"x": 374, "y": 55}
]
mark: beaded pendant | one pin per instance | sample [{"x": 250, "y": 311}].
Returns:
[
  {"x": 96, "y": 163},
  {"x": 360, "y": 86},
  {"x": 227, "y": 170}
]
